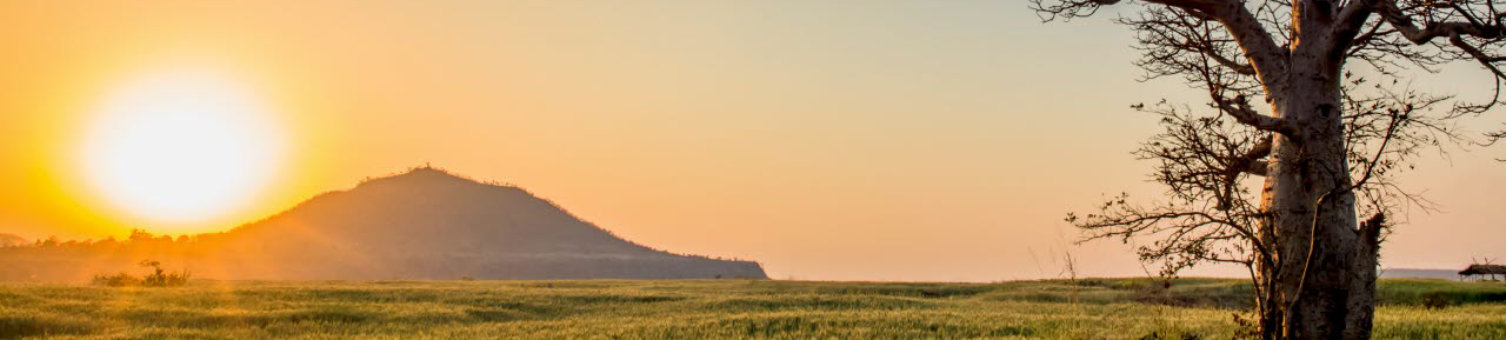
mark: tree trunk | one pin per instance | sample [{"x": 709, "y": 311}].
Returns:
[{"x": 1322, "y": 281}]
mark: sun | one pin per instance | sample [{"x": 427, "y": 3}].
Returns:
[{"x": 180, "y": 147}]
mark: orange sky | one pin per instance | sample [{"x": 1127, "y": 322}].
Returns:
[{"x": 874, "y": 140}]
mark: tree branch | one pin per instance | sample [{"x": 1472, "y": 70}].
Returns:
[
  {"x": 1251, "y": 162},
  {"x": 1239, "y": 108},
  {"x": 1422, "y": 35},
  {"x": 1351, "y": 20},
  {"x": 1245, "y": 69},
  {"x": 1268, "y": 58},
  {"x": 1485, "y": 60}
]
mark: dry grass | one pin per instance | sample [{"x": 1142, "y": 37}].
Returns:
[{"x": 1104, "y": 309}]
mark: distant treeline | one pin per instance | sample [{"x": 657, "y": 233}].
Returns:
[{"x": 221, "y": 256}]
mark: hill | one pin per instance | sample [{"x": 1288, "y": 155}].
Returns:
[
  {"x": 10, "y": 240},
  {"x": 423, "y": 224}
]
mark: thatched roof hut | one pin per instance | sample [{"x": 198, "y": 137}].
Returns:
[{"x": 1487, "y": 270}]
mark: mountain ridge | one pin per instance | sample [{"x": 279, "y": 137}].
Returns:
[{"x": 425, "y": 223}]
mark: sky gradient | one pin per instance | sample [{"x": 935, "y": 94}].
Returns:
[{"x": 832, "y": 140}]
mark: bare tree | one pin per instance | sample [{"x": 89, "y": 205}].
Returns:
[{"x": 1326, "y": 148}]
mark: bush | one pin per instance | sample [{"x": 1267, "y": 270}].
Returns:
[
  {"x": 117, "y": 280},
  {"x": 158, "y": 277}
]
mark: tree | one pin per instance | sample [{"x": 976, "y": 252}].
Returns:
[{"x": 1341, "y": 122}]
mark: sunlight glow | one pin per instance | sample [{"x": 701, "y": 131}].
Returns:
[{"x": 180, "y": 147}]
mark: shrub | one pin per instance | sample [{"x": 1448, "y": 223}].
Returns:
[
  {"x": 158, "y": 277},
  {"x": 117, "y": 280}
]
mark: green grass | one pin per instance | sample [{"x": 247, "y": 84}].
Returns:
[{"x": 1087, "y": 309}]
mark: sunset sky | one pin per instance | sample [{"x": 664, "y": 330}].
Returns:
[{"x": 831, "y": 140}]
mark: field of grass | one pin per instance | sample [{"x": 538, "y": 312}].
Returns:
[{"x": 1086, "y": 309}]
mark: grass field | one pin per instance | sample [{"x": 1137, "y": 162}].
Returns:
[{"x": 1086, "y": 309}]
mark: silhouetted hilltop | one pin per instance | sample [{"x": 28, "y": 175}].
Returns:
[
  {"x": 424, "y": 224},
  {"x": 428, "y": 211}
]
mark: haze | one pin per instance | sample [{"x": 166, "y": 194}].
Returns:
[{"x": 841, "y": 140}]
